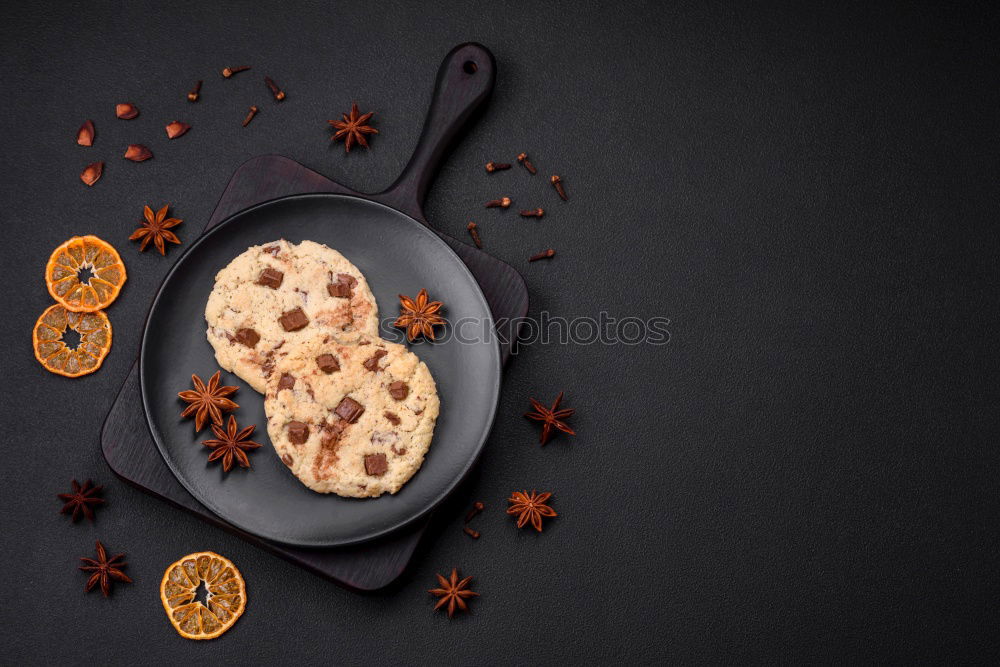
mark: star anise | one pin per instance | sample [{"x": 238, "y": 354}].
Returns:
[
  {"x": 207, "y": 402},
  {"x": 156, "y": 228},
  {"x": 231, "y": 444},
  {"x": 418, "y": 317},
  {"x": 104, "y": 570},
  {"x": 551, "y": 418},
  {"x": 353, "y": 128},
  {"x": 530, "y": 508},
  {"x": 80, "y": 500},
  {"x": 453, "y": 592}
]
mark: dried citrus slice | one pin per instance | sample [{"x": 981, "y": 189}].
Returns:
[
  {"x": 57, "y": 357},
  {"x": 62, "y": 274},
  {"x": 225, "y": 598}
]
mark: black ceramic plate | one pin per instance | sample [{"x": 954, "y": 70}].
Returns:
[{"x": 397, "y": 255}]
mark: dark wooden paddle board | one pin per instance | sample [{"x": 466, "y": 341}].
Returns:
[{"x": 464, "y": 83}]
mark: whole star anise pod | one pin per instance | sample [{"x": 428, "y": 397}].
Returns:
[
  {"x": 551, "y": 418},
  {"x": 453, "y": 592},
  {"x": 104, "y": 570},
  {"x": 207, "y": 402},
  {"x": 80, "y": 500},
  {"x": 530, "y": 508},
  {"x": 353, "y": 128},
  {"x": 418, "y": 317},
  {"x": 156, "y": 228},
  {"x": 231, "y": 444}
]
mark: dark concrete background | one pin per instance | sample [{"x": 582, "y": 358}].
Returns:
[{"x": 806, "y": 472}]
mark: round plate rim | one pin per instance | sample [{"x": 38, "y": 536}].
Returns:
[{"x": 371, "y": 535}]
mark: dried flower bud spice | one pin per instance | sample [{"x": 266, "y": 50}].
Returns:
[
  {"x": 474, "y": 233},
  {"x": 278, "y": 93},
  {"x": 523, "y": 159},
  {"x": 126, "y": 111},
  {"x": 229, "y": 71},
  {"x": 503, "y": 202},
  {"x": 477, "y": 507},
  {"x": 92, "y": 173},
  {"x": 193, "y": 95},
  {"x": 85, "y": 135},
  {"x": 557, "y": 184},
  {"x": 250, "y": 114},
  {"x": 545, "y": 254},
  {"x": 474, "y": 534},
  {"x": 536, "y": 213},
  {"x": 137, "y": 153},
  {"x": 496, "y": 166},
  {"x": 176, "y": 129}
]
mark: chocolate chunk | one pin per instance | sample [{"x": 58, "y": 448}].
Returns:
[
  {"x": 399, "y": 390},
  {"x": 293, "y": 320},
  {"x": 298, "y": 432},
  {"x": 273, "y": 249},
  {"x": 286, "y": 382},
  {"x": 392, "y": 417},
  {"x": 376, "y": 465},
  {"x": 372, "y": 362},
  {"x": 397, "y": 452},
  {"x": 342, "y": 288},
  {"x": 327, "y": 363},
  {"x": 287, "y": 460},
  {"x": 339, "y": 290},
  {"x": 248, "y": 337},
  {"x": 349, "y": 410},
  {"x": 270, "y": 278}
]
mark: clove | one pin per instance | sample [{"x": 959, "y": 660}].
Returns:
[
  {"x": 496, "y": 166},
  {"x": 547, "y": 254},
  {"x": 250, "y": 114},
  {"x": 474, "y": 534},
  {"x": 523, "y": 159},
  {"x": 557, "y": 184},
  {"x": 193, "y": 95},
  {"x": 278, "y": 93},
  {"x": 229, "y": 71},
  {"x": 477, "y": 507},
  {"x": 474, "y": 233},
  {"x": 503, "y": 202},
  {"x": 537, "y": 213}
]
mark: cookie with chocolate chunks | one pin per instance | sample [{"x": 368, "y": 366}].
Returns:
[
  {"x": 360, "y": 430},
  {"x": 274, "y": 296}
]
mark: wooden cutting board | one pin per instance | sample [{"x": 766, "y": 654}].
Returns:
[{"x": 128, "y": 447}]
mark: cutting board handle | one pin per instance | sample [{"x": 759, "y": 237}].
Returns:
[{"x": 464, "y": 82}]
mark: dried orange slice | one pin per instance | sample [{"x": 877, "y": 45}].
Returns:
[
  {"x": 62, "y": 274},
  {"x": 57, "y": 357},
  {"x": 225, "y": 599}
]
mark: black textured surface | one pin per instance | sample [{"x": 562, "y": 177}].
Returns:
[{"x": 807, "y": 470}]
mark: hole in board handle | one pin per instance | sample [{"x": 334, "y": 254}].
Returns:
[{"x": 470, "y": 66}]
